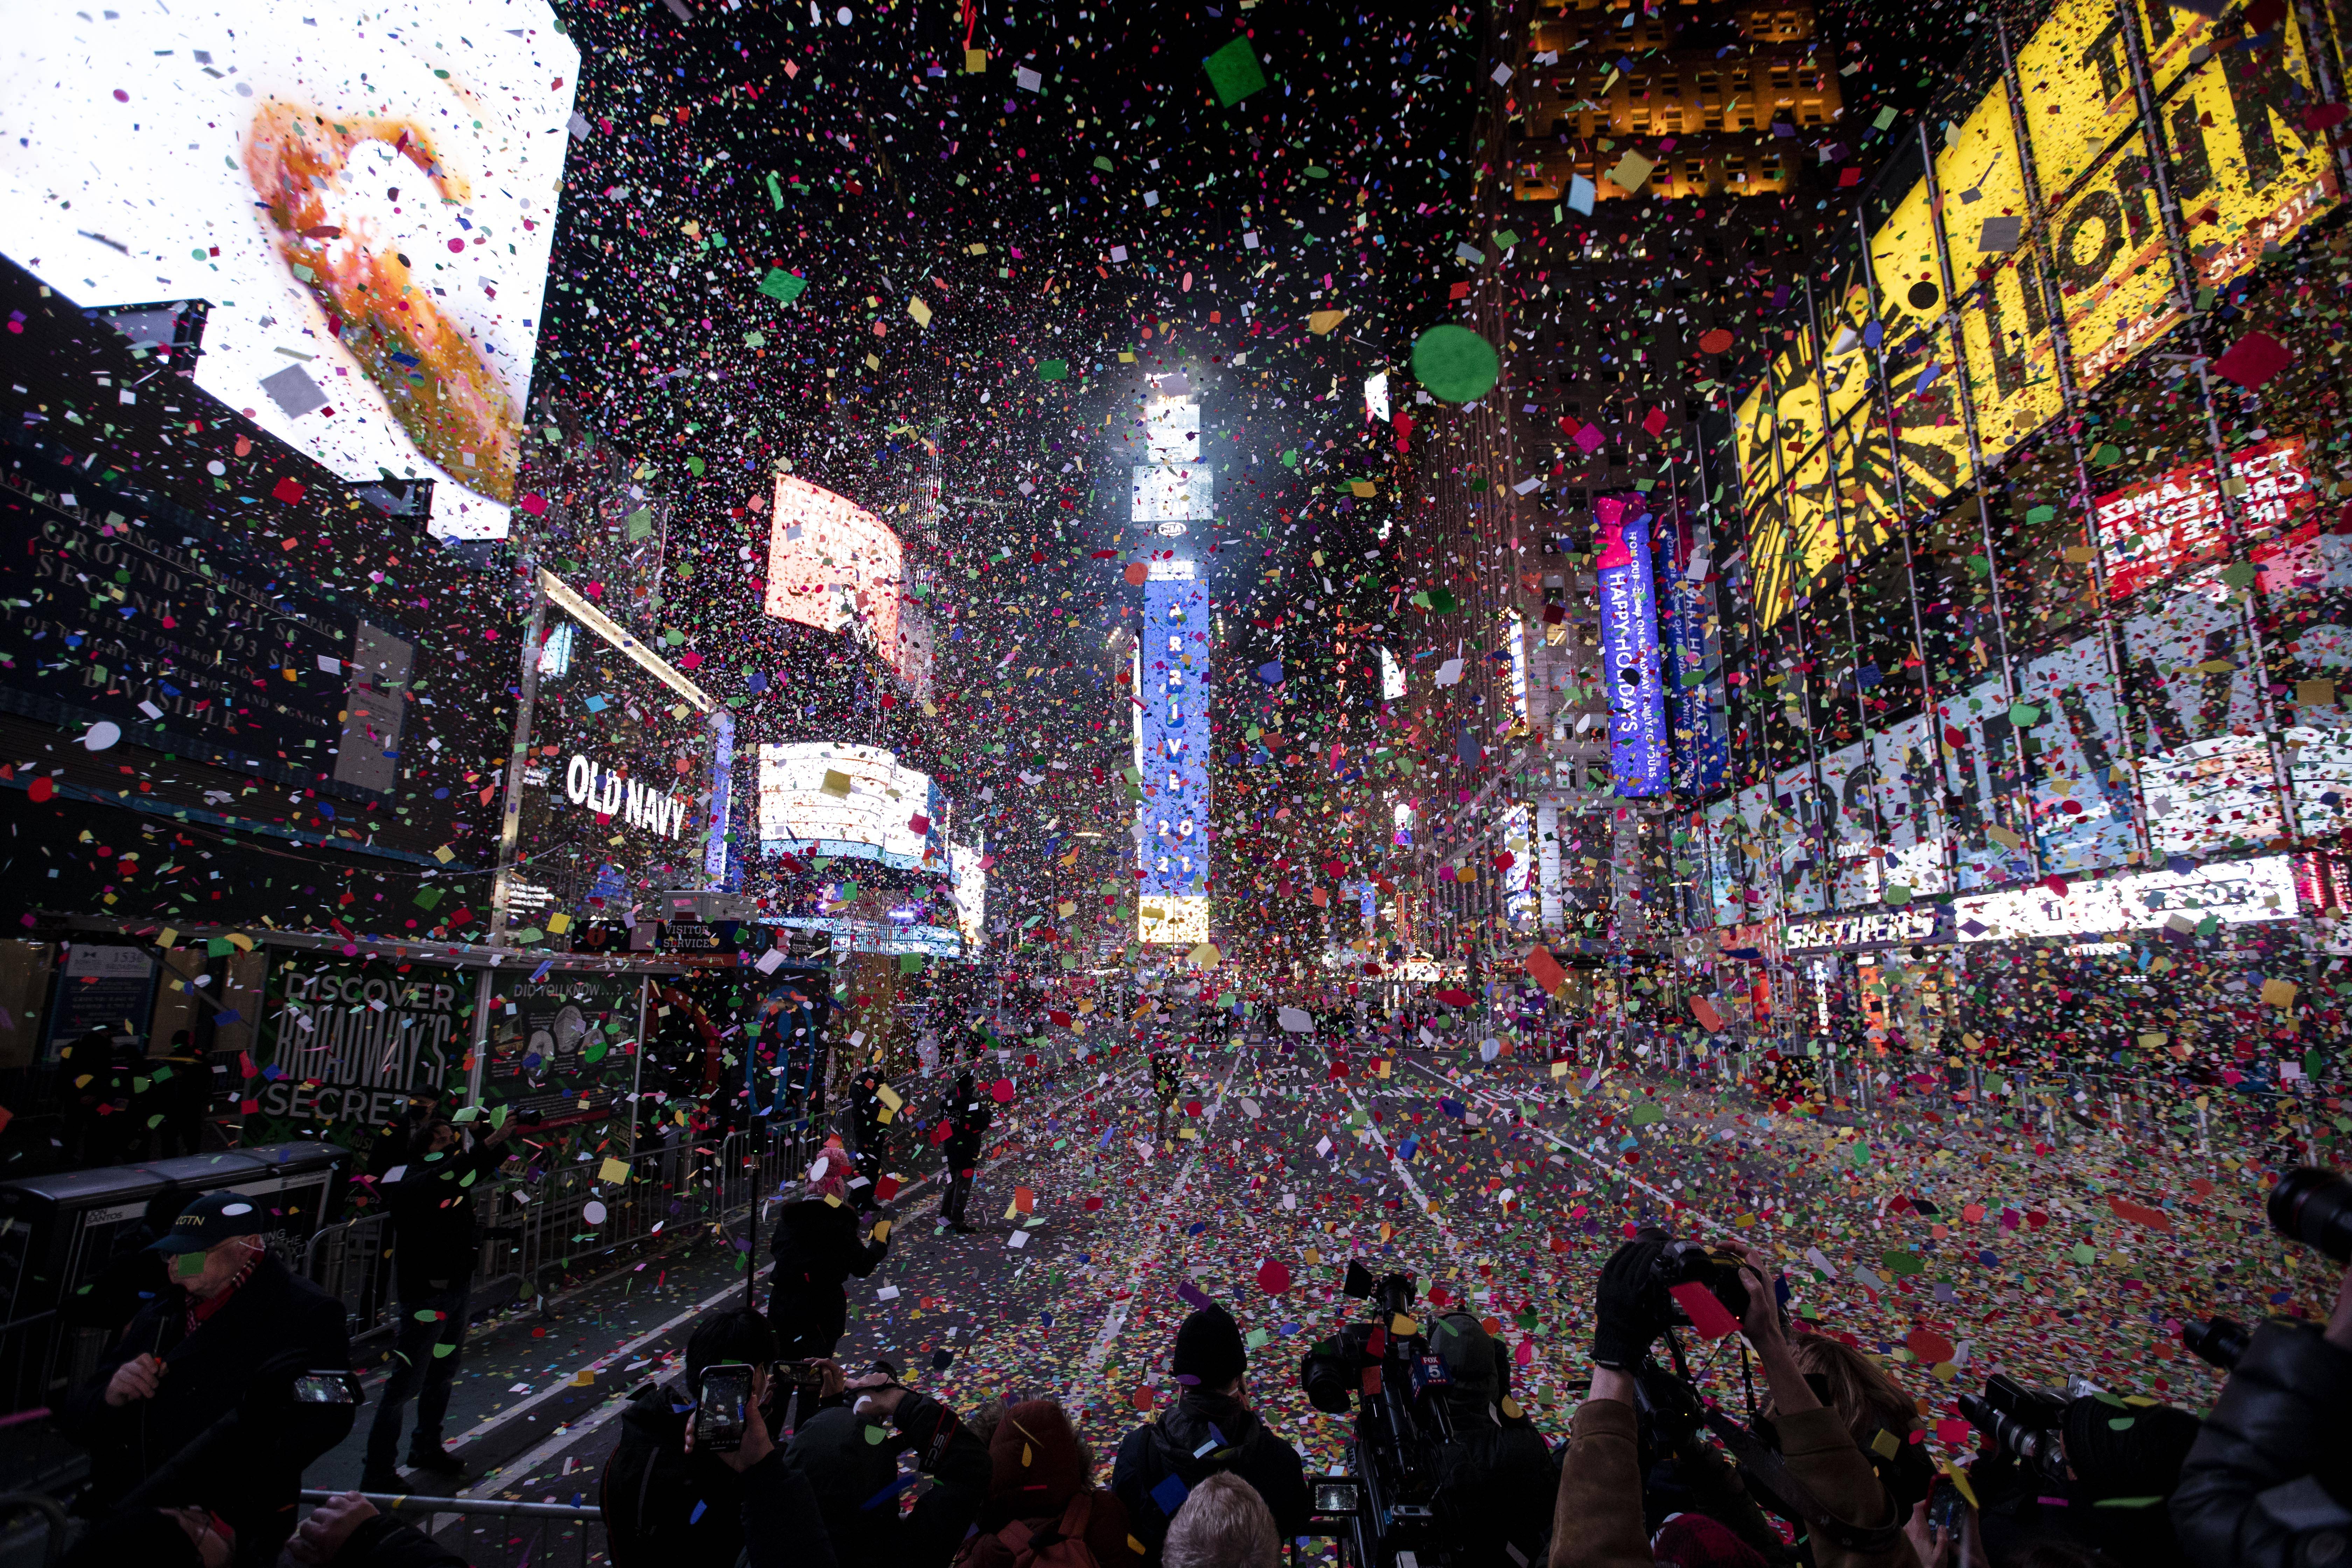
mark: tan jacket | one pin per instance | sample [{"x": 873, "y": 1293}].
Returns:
[{"x": 1597, "y": 1517}]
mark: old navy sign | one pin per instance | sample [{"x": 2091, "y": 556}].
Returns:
[
  {"x": 1628, "y": 650},
  {"x": 1870, "y": 927},
  {"x": 634, "y": 802}
]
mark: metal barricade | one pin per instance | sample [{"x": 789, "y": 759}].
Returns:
[
  {"x": 496, "y": 1533},
  {"x": 539, "y": 1230}
]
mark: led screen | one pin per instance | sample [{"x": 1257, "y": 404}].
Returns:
[
  {"x": 823, "y": 798},
  {"x": 1172, "y": 721},
  {"x": 971, "y": 895},
  {"x": 836, "y": 566},
  {"x": 367, "y": 203}
]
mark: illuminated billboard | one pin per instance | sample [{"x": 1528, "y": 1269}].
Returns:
[
  {"x": 971, "y": 892},
  {"x": 1171, "y": 743},
  {"x": 821, "y": 797},
  {"x": 615, "y": 791},
  {"x": 2174, "y": 521},
  {"x": 836, "y": 566},
  {"x": 1629, "y": 643},
  {"x": 368, "y": 208}
]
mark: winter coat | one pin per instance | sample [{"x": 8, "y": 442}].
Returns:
[
  {"x": 1495, "y": 1484},
  {"x": 1158, "y": 1449},
  {"x": 1597, "y": 1515},
  {"x": 819, "y": 1243},
  {"x": 249, "y": 1475},
  {"x": 663, "y": 1507},
  {"x": 434, "y": 1243},
  {"x": 853, "y": 1479},
  {"x": 2267, "y": 1482},
  {"x": 1036, "y": 1472}
]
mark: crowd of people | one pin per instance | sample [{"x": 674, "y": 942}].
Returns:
[{"x": 230, "y": 1380}]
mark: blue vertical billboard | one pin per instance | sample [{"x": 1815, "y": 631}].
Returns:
[
  {"x": 1171, "y": 730},
  {"x": 1699, "y": 732},
  {"x": 1629, "y": 648}
]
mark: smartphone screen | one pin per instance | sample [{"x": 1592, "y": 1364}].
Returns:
[
  {"x": 719, "y": 1420},
  {"x": 322, "y": 1388}
]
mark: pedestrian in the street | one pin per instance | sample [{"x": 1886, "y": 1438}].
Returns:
[
  {"x": 968, "y": 1114},
  {"x": 819, "y": 1244},
  {"x": 433, "y": 1249}
]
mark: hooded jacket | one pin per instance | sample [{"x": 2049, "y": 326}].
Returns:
[
  {"x": 1238, "y": 1443},
  {"x": 435, "y": 1246},
  {"x": 1038, "y": 1485},
  {"x": 817, "y": 1246},
  {"x": 854, "y": 1477}
]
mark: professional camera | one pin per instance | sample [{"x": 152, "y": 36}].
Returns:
[
  {"x": 2027, "y": 1421},
  {"x": 2218, "y": 1342},
  {"x": 1695, "y": 1263},
  {"x": 2312, "y": 1204},
  {"x": 1388, "y": 1504}
]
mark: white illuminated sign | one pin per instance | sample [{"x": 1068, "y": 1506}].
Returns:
[
  {"x": 368, "y": 209},
  {"x": 822, "y": 798},
  {"x": 630, "y": 800},
  {"x": 1873, "y": 928},
  {"x": 971, "y": 893},
  {"x": 2239, "y": 892}
]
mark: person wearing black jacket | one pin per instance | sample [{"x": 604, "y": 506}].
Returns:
[
  {"x": 968, "y": 1114},
  {"x": 666, "y": 1505},
  {"x": 434, "y": 1248},
  {"x": 819, "y": 1244},
  {"x": 2268, "y": 1483},
  {"x": 850, "y": 1455},
  {"x": 1162, "y": 1461},
  {"x": 193, "y": 1400},
  {"x": 1495, "y": 1476},
  {"x": 389, "y": 1149}
]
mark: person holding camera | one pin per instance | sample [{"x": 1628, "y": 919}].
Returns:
[
  {"x": 1210, "y": 1430},
  {"x": 818, "y": 1245},
  {"x": 669, "y": 1502},
  {"x": 434, "y": 1250},
  {"x": 2268, "y": 1482},
  {"x": 194, "y": 1404},
  {"x": 849, "y": 1451},
  {"x": 1816, "y": 1470}
]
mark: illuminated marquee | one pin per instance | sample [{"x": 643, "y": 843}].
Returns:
[{"x": 1629, "y": 643}]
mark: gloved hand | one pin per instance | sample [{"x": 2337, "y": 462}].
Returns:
[{"x": 1624, "y": 1324}]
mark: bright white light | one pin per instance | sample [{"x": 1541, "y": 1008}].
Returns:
[
  {"x": 2236, "y": 892},
  {"x": 1173, "y": 918},
  {"x": 251, "y": 160},
  {"x": 1391, "y": 679},
  {"x": 1376, "y": 396},
  {"x": 868, "y": 814}
]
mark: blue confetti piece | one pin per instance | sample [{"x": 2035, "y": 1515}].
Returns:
[
  {"x": 700, "y": 1508},
  {"x": 898, "y": 1483},
  {"x": 1169, "y": 1494},
  {"x": 546, "y": 967}
]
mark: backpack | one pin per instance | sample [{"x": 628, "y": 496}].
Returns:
[{"x": 1062, "y": 1544}]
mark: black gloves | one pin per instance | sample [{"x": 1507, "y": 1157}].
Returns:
[{"x": 1624, "y": 1323}]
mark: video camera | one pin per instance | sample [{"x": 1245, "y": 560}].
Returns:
[
  {"x": 1388, "y": 1504},
  {"x": 2029, "y": 1423},
  {"x": 2218, "y": 1342}
]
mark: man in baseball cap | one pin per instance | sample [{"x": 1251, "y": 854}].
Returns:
[{"x": 190, "y": 1356}]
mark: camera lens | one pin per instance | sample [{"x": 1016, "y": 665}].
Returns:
[{"x": 2312, "y": 1204}]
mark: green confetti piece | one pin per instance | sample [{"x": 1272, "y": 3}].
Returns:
[
  {"x": 783, "y": 286},
  {"x": 1235, "y": 72}
]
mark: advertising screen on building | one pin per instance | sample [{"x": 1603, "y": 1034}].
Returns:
[
  {"x": 971, "y": 895},
  {"x": 615, "y": 801},
  {"x": 836, "y": 566},
  {"x": 1171, "y": 743},
  {"x": 1628, "y": 650},
  {"x": 368, "y": 209},
  {"x": 2173, "y": 521},
  {"x": 821, "y": 797}
]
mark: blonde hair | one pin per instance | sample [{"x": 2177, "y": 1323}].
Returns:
[
  {"x": 1865, "y": 1398},
  {"x": 1222, "y": 1524}
]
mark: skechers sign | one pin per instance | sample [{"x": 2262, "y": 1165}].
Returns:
[
  {"x": 1629, "y": 638},
  {"x": 634, "y": 802},
  {"x": 1918, "y": 923}
]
